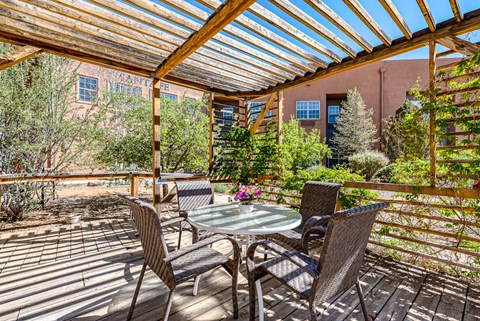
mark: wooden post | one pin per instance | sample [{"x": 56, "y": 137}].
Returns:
[
  {"x": 134, "y": 184},
  {"x": 280, "y": 116},
  {"x": 431, "y": 87},
  {"x": 210, "y": 142},
  {"x": 157, "y": 189},
  {"x": 271, "y": 100}
]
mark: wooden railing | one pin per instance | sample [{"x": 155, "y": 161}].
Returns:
[{"x": 431, "y": 226}]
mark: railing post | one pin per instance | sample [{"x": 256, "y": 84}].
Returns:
[
  {"x": 431, "y": 88},
  {"x": 157, "y": 189},
  {"x": 134, "y": 185}
]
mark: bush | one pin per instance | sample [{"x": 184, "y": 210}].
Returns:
[
  {"x": 367, "y": 163},
  {"x": 385, "y": 174},
  {"x": 222, "y": 188}
]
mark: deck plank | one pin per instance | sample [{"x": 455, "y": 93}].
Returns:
[{"x": 89, "y": 271}]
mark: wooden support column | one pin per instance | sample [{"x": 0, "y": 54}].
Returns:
[
  {"x": 212, "y": 123},
  {"x": 157, "y": 189},
  {"x": 280, "y": 116},
  {"x": 431, "y": 87},
  {"x": 271, "y": 100},
  {"x": 134, "y": 184},
  {"x": 17, "y": 56}
]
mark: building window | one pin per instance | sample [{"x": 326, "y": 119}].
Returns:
[
  {"x": 257, "y": 110},
  {"x": 87, "y": 89},
  {"x": 121, "y": 87},
  {"x": 228, "y": 114},
  {"x": 168, "y": 96},
  {"x": 333, "y": 112},
  {"x": 308, "y": 109}
]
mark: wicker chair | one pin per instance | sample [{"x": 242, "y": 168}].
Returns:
[
  {"x": 318, "y": 281},
  {"x": 179, "y": 266},
  {"x": 318, "y": 204},
  {"x": 191, "y": 195}
]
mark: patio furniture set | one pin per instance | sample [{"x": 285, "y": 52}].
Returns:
[{"x": 285, "y": 235}]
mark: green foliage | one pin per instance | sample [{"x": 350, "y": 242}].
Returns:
[
  {"x": 412, "y": 172},
  {"x": 300, "y": 149},
  {"x": 245, "y": 156},
  {"x": 41, "y": 130},
  {"x": 385, "y": 174},
  {"x": 406, "y": 133},
  {"x": 355, "y": 131},
  {"x": 367, "y": 163},
  {"x": 222, "y": 188},
  {"x": 126, "y": 135},
  {"x": 348, "y": 198}
]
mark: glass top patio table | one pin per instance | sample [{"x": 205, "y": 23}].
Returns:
[{"x": 227, "y": 219}]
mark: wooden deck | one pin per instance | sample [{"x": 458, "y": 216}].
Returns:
[{"x": 89, "y": 272}]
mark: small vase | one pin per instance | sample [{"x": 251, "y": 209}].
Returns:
[{"x": 245, "y": 208}]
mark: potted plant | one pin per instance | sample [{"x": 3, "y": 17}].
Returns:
[{"x": 246, "y": 195}]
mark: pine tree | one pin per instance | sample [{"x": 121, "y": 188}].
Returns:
[{"x": 355, "y": 131}]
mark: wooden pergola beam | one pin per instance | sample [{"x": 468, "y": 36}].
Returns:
[
  {"x": 449, "y": 27},
  {"x": 360, "y": 11},
  {"x": 225, "y": 14},
  {"x": 271, "y": 100},
  {"x": 335, "y": 19},
  {"x": 457, "y": 12},
  {"x": 459, "y": 45},
  {"x": 396, "y": 17},
  {"x": 427, "y": 14},
  {"x": 17, "y": 56},
  {"x": 449, "y": 52}
]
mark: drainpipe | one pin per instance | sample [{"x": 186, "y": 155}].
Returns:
[{"x": 382, "y": 78}]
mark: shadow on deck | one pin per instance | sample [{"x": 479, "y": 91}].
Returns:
[{"x": 88, "y": 271}]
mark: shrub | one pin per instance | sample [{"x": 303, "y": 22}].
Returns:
[
  {"x": 367, "y": 163},
  {"x": 222, "y": 188},
  {"x": 385, "y": 174}
]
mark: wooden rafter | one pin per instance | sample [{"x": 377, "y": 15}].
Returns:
[
  {"x": 427, "y": 14},
  {"x": 280, "y": 23},
  {"x": 17, "y": 56},
  {"x": 457, "y": 12},
  {"x": 397, "y": 17},
  {"x": 183, "y": 21},
  {"x": 292, "y": 10},
  {"x": 335, "y": 19},
  {"x": 271, "y": 100},
  {"x": 470, "y": 22},
  {"x": 360, "y": 11},
  {"x": 459, "y": 45},
  {"x": 449, "y": 52},
  {"x": 301, "y": 65}
]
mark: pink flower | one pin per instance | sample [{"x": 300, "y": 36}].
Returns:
[
  {"x": 257, "y": 193},
  {"x": 476, "y": 186}
]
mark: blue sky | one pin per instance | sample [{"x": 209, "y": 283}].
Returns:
[{"x": 408, "y": 8}]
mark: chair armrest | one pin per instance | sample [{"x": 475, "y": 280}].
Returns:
[
  {"x": 210, "y": 240},
  {"x": 290, "y": 256},
  {"x": 172, "y": 221},
  {"x": 315, "y": 221}
]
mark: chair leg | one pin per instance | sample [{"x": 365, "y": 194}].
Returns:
[
  {"x": 235, "y": 291},
  {"x": 313, "y": 313},
  {"x": 362, "y": 301},
  {"x": 169, "y": 305},
  {"x": 195, "y": 284},
  {"x": 258, "y": 285},
  {"x": 137, "y": 290},
  {"x": 180, "y": 235}
]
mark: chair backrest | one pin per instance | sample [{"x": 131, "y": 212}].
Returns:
[
  {"x": 318, "y": 199},
  {"x": 193, "y": 194},
  {"x": 151, "y": 237},
  {"x": 343, "y": 250}
]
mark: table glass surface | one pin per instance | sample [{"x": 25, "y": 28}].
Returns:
[{"x": 227, "y": 218}]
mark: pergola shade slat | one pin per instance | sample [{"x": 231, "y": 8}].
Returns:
[
  {"x": 17, "y": 56},
  {"x": 227, "y": 52}
]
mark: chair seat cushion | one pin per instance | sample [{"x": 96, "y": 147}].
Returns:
[
  {"x": 291, "y": 274},
  {"x": 197, "y": 262}
]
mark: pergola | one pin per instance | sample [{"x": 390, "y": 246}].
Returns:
[{"x": 179, "y": 42}]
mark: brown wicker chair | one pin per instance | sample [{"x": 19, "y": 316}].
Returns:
[
  {"x": 191, "y": 195},
  {"x": 318, "y": 204},
  {"x": 179, "y": 266},
  {"x": 318, "y": 281}
]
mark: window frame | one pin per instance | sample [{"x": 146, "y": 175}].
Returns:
[
  {"x": 79, "y": 100},
  {"x": 307, "y": 109},
  {"x": 329, "y": 114}
]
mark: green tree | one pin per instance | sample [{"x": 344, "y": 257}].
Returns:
[
  {"x": 41, "y": 130},
  {"x": 300, "y": 148},
  {"x": 406, "y": 133},
  {"x": 355, "y": 131},
  {"x": 126, "y": 134}
]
